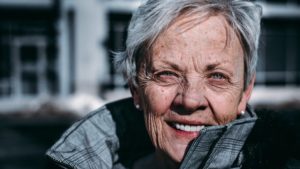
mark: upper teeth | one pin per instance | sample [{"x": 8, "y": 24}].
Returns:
[{"x": 189, "y": 128}]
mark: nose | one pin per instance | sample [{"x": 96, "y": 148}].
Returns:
[{"x": 190, "y": 98}]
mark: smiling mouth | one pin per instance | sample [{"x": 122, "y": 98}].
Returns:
[{"x": 188, "y": 128}]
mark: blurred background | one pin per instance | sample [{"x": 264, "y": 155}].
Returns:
[{"x": 56, "y": 66}]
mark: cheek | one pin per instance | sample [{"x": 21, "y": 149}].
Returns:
[
  {"x": 157, "y": 99},
  {"x": 224, "y": 105},
  {"x": 156, "y": 102}
]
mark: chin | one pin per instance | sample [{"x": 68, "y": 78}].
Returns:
[
  {"x": 178, "y": 153},
  {"x": 178, "y": 143}
]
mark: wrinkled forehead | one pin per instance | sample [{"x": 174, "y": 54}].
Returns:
[
  {"x": 184, "y": 23},
  {"x": 215, "y": 29}
]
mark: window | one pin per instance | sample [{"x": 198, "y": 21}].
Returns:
[
  {"x": 27, "y": 70},
  {"x": 118, "y": 23},
  {"x": 279, "y": 63},
  {"x": 28, "y": 53},
  {"x": 5, "y": 68}
]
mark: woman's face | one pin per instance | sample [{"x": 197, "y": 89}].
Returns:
[{"x": 196, "y": 80}]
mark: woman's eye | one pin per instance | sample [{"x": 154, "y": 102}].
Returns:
[
  {"x": 167, "y": 73},
  {"x": 217, "y": 76},
  {"x": 166, "y": 77}
]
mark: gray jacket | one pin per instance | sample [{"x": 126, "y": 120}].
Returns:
[{"x": 114, "y": 136}]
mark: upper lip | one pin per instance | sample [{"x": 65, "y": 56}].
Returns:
[{"x": 187, "y": 120}]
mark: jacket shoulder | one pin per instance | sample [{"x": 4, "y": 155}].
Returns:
[{"x": 93, "y": 138}]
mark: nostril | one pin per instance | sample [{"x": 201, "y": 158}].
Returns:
[
  {"x": 202, "y": 107},
  {"x": 183, "y": 110},
  {"x": 179, "y": 109},
  {"x": 189, "y": 102}
]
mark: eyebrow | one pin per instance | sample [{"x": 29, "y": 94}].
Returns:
[
  {"x": 215, "y": 66},
  {"x": 211, "y": 67},
  {"x": 208, "y": 68},
  {"x": 172, "y": 65}
]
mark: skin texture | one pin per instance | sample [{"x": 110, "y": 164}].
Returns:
[{"x": 196, "y": 78}]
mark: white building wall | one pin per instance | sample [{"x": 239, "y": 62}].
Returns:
[{"x": 91, "y": 63}]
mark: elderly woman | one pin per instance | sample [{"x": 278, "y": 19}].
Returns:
[{"x": 190, "y": 65}]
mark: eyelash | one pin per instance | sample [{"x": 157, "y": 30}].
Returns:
[
  {"x": 221, "y": 76},
  {"x": 167, "y": 77},
  {"x": 166, "y": 73}
]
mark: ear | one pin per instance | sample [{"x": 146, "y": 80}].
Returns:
[
  {"x": 246, "y": 96},
  {"x": 136, "y": 96}
]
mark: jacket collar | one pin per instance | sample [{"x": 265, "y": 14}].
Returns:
[{"x": 220, "y": 146}]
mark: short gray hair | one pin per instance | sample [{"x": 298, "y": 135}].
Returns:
[{"x": 155, "y": 16}]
